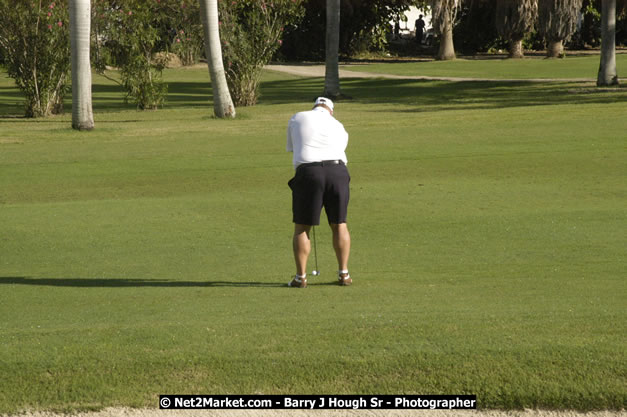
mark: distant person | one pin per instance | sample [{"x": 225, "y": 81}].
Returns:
[
  {"x": 420, "y": 28},
  {"x": 318, "y": 142}
]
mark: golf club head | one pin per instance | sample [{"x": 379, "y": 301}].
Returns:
[{"x": 315, "y": 272}]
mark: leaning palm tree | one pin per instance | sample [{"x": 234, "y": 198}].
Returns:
[
  {"x": 222, "y": 102},
  {"x": 80, "y": 22},
  {"x": 514, "y": 19},
  {"x": 557, "y": 21},
  {"x": 607, "y": 69},
  {"x": 332, "y": 71},
  {"x": 443, "y": 15}
]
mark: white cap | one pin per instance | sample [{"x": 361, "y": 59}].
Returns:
[{"x": 325, "y": 101}]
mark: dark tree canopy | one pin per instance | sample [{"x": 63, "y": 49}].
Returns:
[
  {"x": 557, "y": 19},
  {"x": 515, "y": 18},
  {"x": 361, "y": 22}
]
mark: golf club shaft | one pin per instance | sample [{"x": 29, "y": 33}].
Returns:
[{"x": 315, "y": 247}]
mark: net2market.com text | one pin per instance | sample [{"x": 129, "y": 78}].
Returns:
[{"x": 466, "y": 402}]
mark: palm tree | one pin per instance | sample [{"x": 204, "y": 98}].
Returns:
[
  {"x": 222, "y": 102},
  {"x": 443, "y": 15},
  {"x": 332, "y": 71},
  {"x": 514, "y": 19},
  {"x": 80, "y": 22},
  {"x": 607, "y": 69},
  {"x": 557, "y": 21}
]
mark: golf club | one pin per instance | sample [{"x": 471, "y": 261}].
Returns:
[{"x": 316, "y": 271}]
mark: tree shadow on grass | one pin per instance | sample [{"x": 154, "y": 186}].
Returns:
[
  {"x": 110, "y": 98},
  {"x": 296, "y": 90},
  {"x": 107, "y": 97},
  {"x": 129, "y": 282},
  {"x": 11, "y": 103},
  {"x": 137, "y": 282},
  {"x": 413, "y": 95},
  {"x": 427, "y": 96}
]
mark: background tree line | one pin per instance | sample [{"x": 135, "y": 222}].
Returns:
[
  {"x": 477, "y": 29},
  {"x": 137, "y": 36},
  {"x": 366, "y": 27}
]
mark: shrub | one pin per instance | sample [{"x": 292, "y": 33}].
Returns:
[
  {"x": 35, "y": 40},
  {"x": 186, "y": 29},
  {"x": 590, "y": 32},
  {"x": 251, "y": 32},
  {"x": 126, "y": 30}
]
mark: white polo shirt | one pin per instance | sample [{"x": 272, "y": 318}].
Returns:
[{"x": 315, "y": 136}]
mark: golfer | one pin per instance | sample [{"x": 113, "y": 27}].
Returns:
[{"x": 318, "y": 142}]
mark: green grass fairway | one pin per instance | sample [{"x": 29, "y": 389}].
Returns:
[
  {"x": 573, "y": 67},
  {"x": 151, "y": 255}
]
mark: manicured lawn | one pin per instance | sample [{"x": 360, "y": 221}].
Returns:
[{"x": 150, "y": 256}]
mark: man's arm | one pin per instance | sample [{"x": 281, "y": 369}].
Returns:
[{"x": 290, "y": 145}]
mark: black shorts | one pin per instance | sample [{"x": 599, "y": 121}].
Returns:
[{"x": 317, "y": 185}]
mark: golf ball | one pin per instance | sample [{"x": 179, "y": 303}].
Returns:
[{"x": 315, "y": 273}]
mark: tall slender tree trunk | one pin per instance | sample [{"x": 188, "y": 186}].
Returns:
[
  {"x": 607, "y": 69},
  {"x": 516, "y": 49},
  {"x": 222, "y": 102},
  {"x": 447, "y": 48},
  {"x": 332, "y": 50},
  {"x": 80, "y": 24}
]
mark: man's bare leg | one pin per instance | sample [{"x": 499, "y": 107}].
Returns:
[
  {"x": 341, "y": 244},
  {"x": 302, "y": 247}
]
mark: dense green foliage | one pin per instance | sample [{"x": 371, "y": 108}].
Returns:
[
  {"x": 251, "y": 31},
  {"x": 151, "y": 255},
  {"x": 181, "y": 30},
  {"x": 476, "y": 31},
  {"x": 126, "y": 30},
  {"x": 174, "y": 25},
  {"x": 133, "y": 33},
  {"x": 35, "y": 44}
]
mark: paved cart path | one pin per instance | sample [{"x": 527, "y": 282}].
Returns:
[{"x": 315, "y": 70}]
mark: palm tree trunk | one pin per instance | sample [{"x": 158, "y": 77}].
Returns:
[
  {"x": 555, "y": 49},
  {"x": 516, "y": 49},
  {"x": 332, "y": 71},
  {"x": 80, "y": 23},
  {"x": 607, "y": 69},
  {"x": 222, "y": 102}
]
